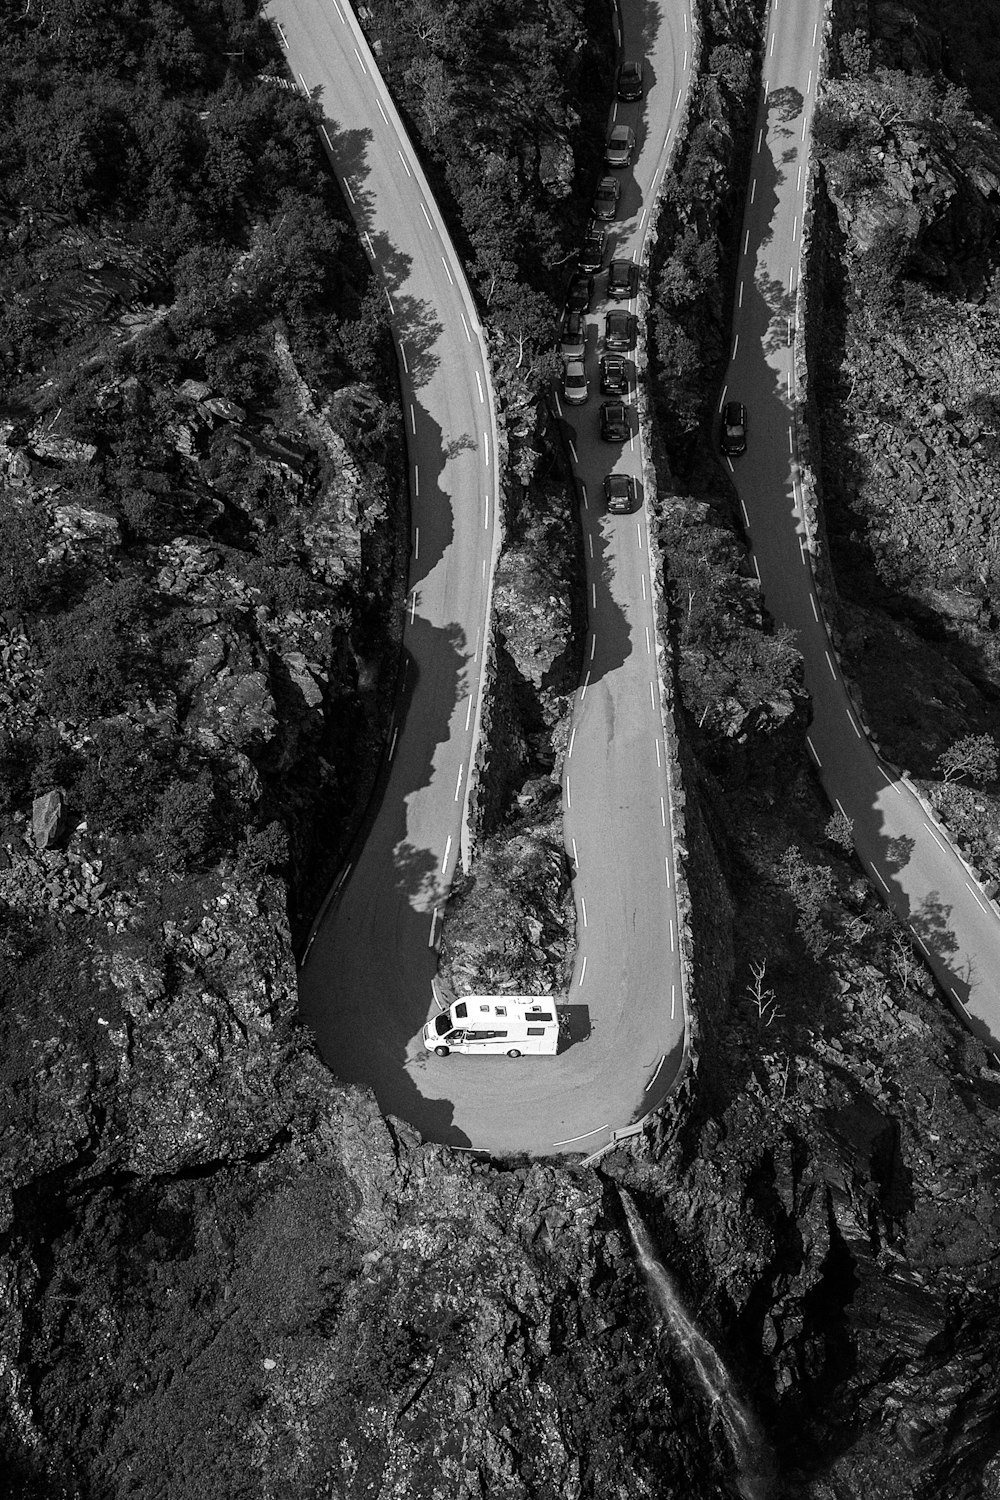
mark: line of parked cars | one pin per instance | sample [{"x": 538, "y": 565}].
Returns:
[{"x": 622, "y": 285}]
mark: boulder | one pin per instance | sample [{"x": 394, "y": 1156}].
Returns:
[
  {"x": 305, "y": 677},
  {"x": 78, "y": 526},
  {"x": 48, "y": 818}
]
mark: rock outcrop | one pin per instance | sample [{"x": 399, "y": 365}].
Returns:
[{"x": 48, "y": 818}]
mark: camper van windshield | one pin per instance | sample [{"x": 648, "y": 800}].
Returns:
[{"x": 442, "y": 1022}]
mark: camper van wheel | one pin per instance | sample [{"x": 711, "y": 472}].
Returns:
[
  {"x": 513, "y": 1052},
  {"x": 442, "y": 1051}
]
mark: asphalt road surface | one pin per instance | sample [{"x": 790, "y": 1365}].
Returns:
[
  {"x": 366, "y": 985},
  {"x": 626, "y": 990},
  {"x": 909, "y": 859}
]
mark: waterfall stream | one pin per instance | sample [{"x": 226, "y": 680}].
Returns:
[{"x": 746, "y": 1441}]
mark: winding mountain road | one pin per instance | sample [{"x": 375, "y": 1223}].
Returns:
[
  {"x": 909, "y": 858},
  {"x": 366, "y": 983},
  {"x": 628, "y": 982}
]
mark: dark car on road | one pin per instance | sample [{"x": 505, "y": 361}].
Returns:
[
  {"x": 606, "y": 199},
  {"x": 614, "y": 375},
  {"x": 619, "y": 492},
  {"x": 592, "y": 253},
  {"x": 581, "y": 292},
  {"x": 630, "y": 79},
  {"x": 734, "y": 428},
  {"x": 573, "y": 339},
  {"x": 621, "y": 280},
  {"x": 614, "y": 422},
  {"x": 618, "y": 329},
  {"x": 619, "y": 146}
]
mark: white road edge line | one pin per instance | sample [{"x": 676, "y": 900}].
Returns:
[{"x": 586, "y": 1133}]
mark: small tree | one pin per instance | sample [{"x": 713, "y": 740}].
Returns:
[
  {"x": 840, "y": 830},
  {"x": 811, "y": 887},
  {"x": 762, "y": 995},
  {"x": 974, "y": 756}
]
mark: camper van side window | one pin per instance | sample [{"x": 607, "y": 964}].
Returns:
[
  {"x": 536, "y": 1030},
  {"x": 461, "y": 1011}
]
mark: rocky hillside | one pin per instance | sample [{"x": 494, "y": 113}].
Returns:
[
  {"x": 908, "y": 394},
  {"x": 222, "y": 1274}
]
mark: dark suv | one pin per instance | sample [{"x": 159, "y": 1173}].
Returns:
[
  {"x": 606, "y": 199},
  {"x": 734, "y": 428},
  {"x": 592, "y": 253},
  {"x": 619, "y": 493},
  {"x": 619, "y": 146},
  {"x": 614, "y": 422},
  {"x": 630, "y": 79},
  {"x": 614, "y": 375},
  {"x": 581, "y": 291},
  {"x": 618, "y": 329},
  {"x": 621, "y": 280}
]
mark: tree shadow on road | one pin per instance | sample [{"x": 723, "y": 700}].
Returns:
[
  {"x": 784, "y": 105},
  {"x": 780, "y": 539},
  {"x": 365, "y": 988},
  {"x": 414, "y": 322}
]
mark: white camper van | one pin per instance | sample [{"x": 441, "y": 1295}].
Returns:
[{"x": 491, "y": 1024}]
